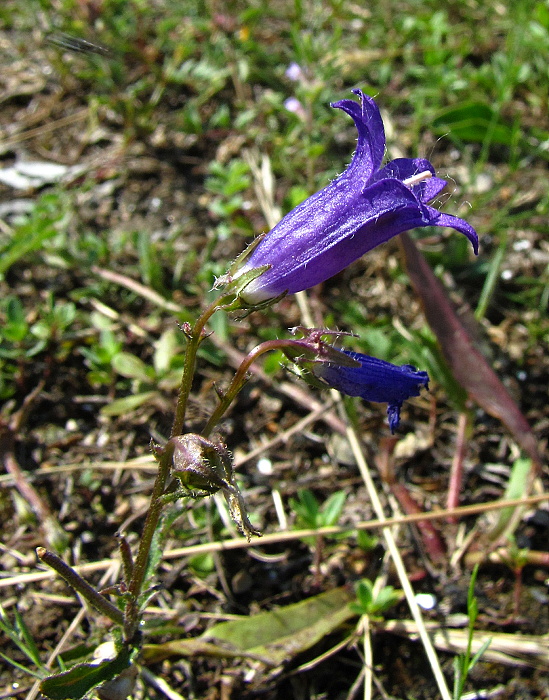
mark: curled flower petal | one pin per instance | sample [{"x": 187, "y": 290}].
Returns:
[
  {"x": 365, "y": 206},
  {"x": 371, "y": 136},
  {"x": 374, "y": 380},
  {"x": 405, "y": 169}
]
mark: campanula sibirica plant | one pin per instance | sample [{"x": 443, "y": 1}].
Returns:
[{"x": 365, "y": 206}]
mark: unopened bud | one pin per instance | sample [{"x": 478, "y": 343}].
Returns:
[
  {"x": 204, "y": 467},
  {"x": 201, "y": 466}
]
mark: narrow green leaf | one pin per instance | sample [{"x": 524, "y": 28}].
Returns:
[
  {"x": 31, "y": 649},
  {"x": 480, "y": 652},
  {"x": 74, "y": 684},
  {"x": 471, "y": 590},
  {"x": 332, "y": 508},
  {"x": 491, "y": 281},
  {"x": 13, "y": 663},
  {"x": 17, "y": 636},
  {"x": 24, "y": 241},
  {"x": 458, "y": 676},
  {"x": 306, "y": 508}
]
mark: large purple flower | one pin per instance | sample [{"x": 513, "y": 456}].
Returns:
[
  {"x": 374, "y": 380},
  {"x": 362, "y": 208}
]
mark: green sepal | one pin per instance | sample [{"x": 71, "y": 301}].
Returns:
[
  {"x": 234, "y": 282},
  {"x": 236, "y": 285},
  {"x": 244, "y": 255}
]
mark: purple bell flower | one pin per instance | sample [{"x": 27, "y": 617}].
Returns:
[
  {"x": 365, "y": 206},
  {"x": 374, "y": 380}
]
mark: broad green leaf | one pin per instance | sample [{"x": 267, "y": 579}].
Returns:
[
  {"x": 388, "y": 596},
  {"x": 368, "y": 605},
  {"x": 364, "y": 594},
  {"x": 473, "y": 121},
  {"x": 64, "y": 314},
  {"x": 517, "y": 487},
  {"x": 202, "y": 564},
  {"x": 130, "y": 366},
  {"x": 16, "y": 327},
  {"x": 127, "y": 404},
  {"x": 366, "y": 541},
  {"x": 165, "y": 349},
  {"x": 274, "y": 637},
  {"x": 153, "y": 653},
  {"x": 278, "y": 635}
]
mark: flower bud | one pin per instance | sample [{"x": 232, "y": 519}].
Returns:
[{"x": 204, "y": 467}]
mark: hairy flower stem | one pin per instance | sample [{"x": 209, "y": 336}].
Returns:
[
  {"x": 132, "y": 617},
  {"x": 195, "y": 336},
  {"x": 240, "y": 378}
]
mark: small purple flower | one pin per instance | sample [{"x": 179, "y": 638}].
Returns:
[
  {"x": 365, "y": 206},
  {"x": 294, "y": 72},
  {"x": 293, "y": 105},
  {"x": 374, "y": 380}
]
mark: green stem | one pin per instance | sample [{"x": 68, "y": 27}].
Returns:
[
  {"x": 142, "y": 558},
  {"x": 139, "y": 569},
  {"x": 240, "y": 379},
  {"x": 194, "y": 338}
]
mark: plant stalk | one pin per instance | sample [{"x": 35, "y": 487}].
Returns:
[
  {"x": 240, "y": 378},
  {"x": 131, "y": 622},
  {"x": 76, "y": 582},
  {"x": 194, "y": 338}
]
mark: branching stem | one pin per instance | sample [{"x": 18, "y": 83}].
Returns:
[
  {"x": 76, "y": 582},
  {"x": 240, "y": 378}
]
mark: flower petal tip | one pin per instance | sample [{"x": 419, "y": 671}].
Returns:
[{"x": 393, "y": 415}]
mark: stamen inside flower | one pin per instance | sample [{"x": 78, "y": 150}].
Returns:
[{"x": 420, "y": 177}]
